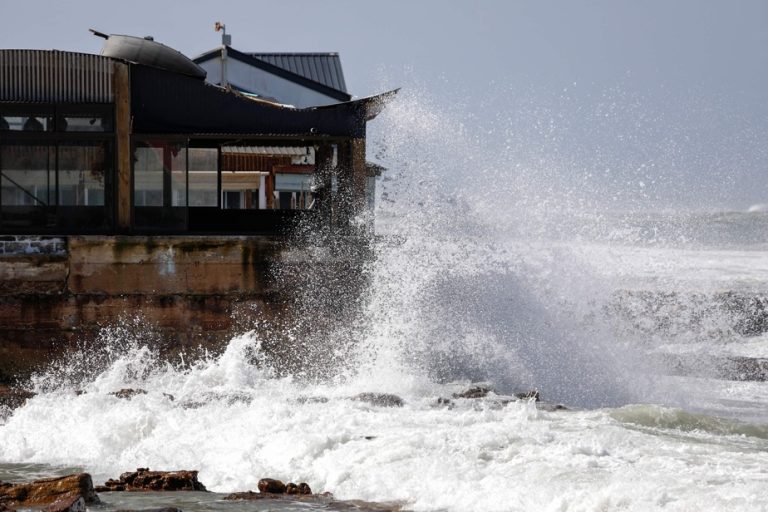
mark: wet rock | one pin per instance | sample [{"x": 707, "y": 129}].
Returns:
[
  {"x": 272, "y": 486},
  {"x": 212, "y": 397},
  {"x": 532, "y": 394},
  {"x": 325, "y": 499},
  {"x": 49, "y": 490},
  {"x": 145, "y": 480},
  {"x": 302, "y": 489},
  {"x": 163, "y": 509},
  {"x": 13, "y": 398},
  {"x": 128, "y": 393},
  {"x": 444, "y": 402},
  {"x": 380, "y": 399},
  {"x": 70, "y": 504},
  {"x": 476, "y": 391},
  {"x": 312, "y": 400},
  {"x": 6, "y": 508},
  {"x": 549, "y": 407}
]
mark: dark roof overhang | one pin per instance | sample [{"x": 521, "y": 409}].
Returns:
[{"x": 165, "y": 102}]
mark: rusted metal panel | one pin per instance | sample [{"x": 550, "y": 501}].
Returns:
[{"x": 52, "y": 76}]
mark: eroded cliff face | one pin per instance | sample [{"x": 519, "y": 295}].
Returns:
[{"x": 57, "y": 294}]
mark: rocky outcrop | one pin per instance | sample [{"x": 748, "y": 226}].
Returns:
[
  {"x": 145, "y": 480},
  {"x": 483, "y": 390},
  {"x": 49, "y": 491},
  {"x": 253, "y": 496},
  {"x": 163, "y": 509},
  {"x": 532, "y": 394},
  {"x": 326, "y": 500},
  {"x": 270, "y": 485},
  {"x": 128, "y": 393},
  {"x": 69, "y": 504},
  {"x": 380, "y": 399},
  {"x": 477, "y": 391}
]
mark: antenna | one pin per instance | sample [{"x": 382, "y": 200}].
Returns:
[
  {"x": 226, "y": 40},
  {"x": 98, "y": 34}
]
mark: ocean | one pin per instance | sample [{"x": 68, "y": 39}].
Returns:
[{"x": 648, "y": 324}]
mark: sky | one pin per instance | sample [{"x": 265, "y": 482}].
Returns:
[{"x": 684, "y": 79}]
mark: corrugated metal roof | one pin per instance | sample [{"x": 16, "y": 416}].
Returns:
[
  {"x": 55, "y": 76},
  {"x": 324, "y": 68},
  {"x": 266, "y": 150}
]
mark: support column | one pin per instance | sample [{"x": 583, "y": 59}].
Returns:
[
  {"x": 324, "y": 174},
  {"x": 351, "y": 177},
  {"x": 123, "y": 145}
]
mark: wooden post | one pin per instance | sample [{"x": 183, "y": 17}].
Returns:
[
  {"x": 122, "y": 90},
  {"x": 351, "y": 178},
  {"x": 359, "y": 174},
  {"x": 324, "y": 174}
]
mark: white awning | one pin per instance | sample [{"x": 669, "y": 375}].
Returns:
[{"x": 266, "y": 150}]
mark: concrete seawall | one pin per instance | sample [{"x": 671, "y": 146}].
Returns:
[{"x": 58, "y": 293}]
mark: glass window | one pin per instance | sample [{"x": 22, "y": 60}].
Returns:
[
  {"x": 179, "y": 177},
  {"x": 148, "y": 176},
  {"x": 85, "y": 123},
  {"x": 27, "y": 175},
  {"x": 159, "y": 174},
  {"x": 25, "y": 123},
  {"x": 82, "y": 171},
  {"x": 293, "y": 191},
  {"x": 203, "y": 176}
]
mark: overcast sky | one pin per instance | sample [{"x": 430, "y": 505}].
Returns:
[{"x": 688, "y": 74}]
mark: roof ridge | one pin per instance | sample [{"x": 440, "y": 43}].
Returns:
[{"x": 336, "y": 54}]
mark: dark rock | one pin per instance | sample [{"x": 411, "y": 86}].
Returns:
[
  {"x": 212, "y": 397},
  {"x": 163, "y": 509},
  {"x": 13, "y": 398},
  {"x": 545, "y": 406},
  {"x": 145, "y": 480},
  {"x": 300, "y": 489},
  {"x": 271, "y": 485},
  {"x": 444, "y": 402},
  {"x": 312, "y": 400},
  {"x": 6, "y": 508},
  {"x": 49, "y": 490},
  {"x": 69, "y": 504},
  {"x": 478, "y": 391},
  {"x": 380, "y": 399},
  {"x": 528, "y": 395},
  {"x": 128, "y": 393},
  {"x": 326, "y": 499}
]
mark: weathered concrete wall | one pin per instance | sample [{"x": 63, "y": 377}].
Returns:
[{"x": 55, "y": 294}]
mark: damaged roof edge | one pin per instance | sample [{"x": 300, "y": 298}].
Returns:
[
  {"x": 147, "y": 51},
  {"x": 372, "y": 105}
]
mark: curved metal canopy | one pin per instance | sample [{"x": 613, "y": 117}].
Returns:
[{"x": 147, "y": 51}]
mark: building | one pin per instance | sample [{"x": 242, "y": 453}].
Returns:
[
  {"x": 298, "y": 79},
  {"x": 109, "y": 144},
  {"x": 124, "y": 177}
]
